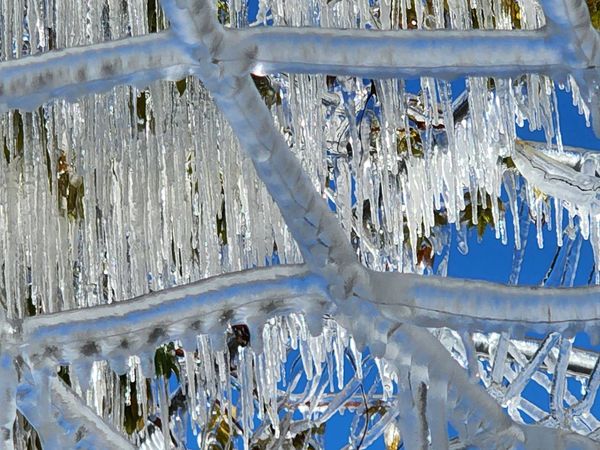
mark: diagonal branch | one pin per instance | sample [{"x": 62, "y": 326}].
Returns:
[
  {"x": 476, "y": 416},
  {"x": 323, "y": 244},
  {"x": 69, "y": 423}
]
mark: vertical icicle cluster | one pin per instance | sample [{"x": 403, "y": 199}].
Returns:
[
  {"x": 107, "y": 199},
  {"x": 236, "y": 393},
  {"x": 117, "y": 194}
]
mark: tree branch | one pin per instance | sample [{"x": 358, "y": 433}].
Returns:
[
  {"x": 138, "y": 326},
  {"x": 476, "y": 416},
  {"x": 556, "y": 178},
  {"x": 404, "y": 53},
  {"x": 469, "y": 305},
  {"x": 70, "y": 423},
  {"x": 28, "y": 82}
]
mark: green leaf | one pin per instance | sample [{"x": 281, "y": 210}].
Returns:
[
  {"x": 269, "y": 94},
  {"x": 594, "y": 8},
  {"x": 165, "y": 361},
  {"x": 223, "y": 12}
]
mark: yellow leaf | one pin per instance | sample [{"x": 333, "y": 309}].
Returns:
[
  {"x": 391, "y": 437},
  {"x": 539, "y": 194}
]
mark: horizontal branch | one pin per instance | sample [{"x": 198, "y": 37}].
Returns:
[
  {"x": 574, "y": 157},
  {"x": 138, "y": 326},
  {"x": 488, "y": 307},
  {"x": 404, "y": 53},
  {"x": 71, "y": 73}
]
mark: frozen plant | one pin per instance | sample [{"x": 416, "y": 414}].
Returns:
[{"x": 185, "y": 207}]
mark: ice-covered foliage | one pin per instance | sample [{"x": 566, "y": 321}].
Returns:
[{"x": 164, "y": 169}]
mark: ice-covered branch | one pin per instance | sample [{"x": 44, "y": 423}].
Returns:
[
  {"x": 316, "y": 230},
  {"x": 571, "y": 20},
  {"x": 69, "y": 423},
  {"x": 138, "y": 326},
  {"x": 404, "y": 53},
  {"x": 476, "y": 416},
  {"x": 573, "y": 157},
  {"x": 581, "y": 363},
  {"x": 556, "y": 178},
  {"x": 8, "y": 410},
  {"x": 28, "y": 82},
  {"x": 482, "y": 306}
]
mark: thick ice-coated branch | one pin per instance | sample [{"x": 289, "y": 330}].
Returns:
[
  {"x": 28, "y": 82},
  {"x": 324, "y": 245},
  {"x": 573, "y": 157},
  {"x": 69, "y": 423},
  {"x": 404, "y": 53},
  {"x": 138, "y": 326},
  {"x": 482, "y": 306},
  {"x": 571, "y": 20},
  {"x": 476, "y": 416}
]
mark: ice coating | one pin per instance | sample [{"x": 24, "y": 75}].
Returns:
[{"x": 150, "y": 192}]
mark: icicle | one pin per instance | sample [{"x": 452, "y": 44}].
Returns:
[
  {"x": 461, "y": 235},
  {"x": 339, "y": 345},
  {"x": 247, "y": 383},
  {"x": 147, "y": 365},
  {"x": 82, "y": 371},
  {"x": 521, "y": 225},
  {"x": 164, "y": 411}
]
